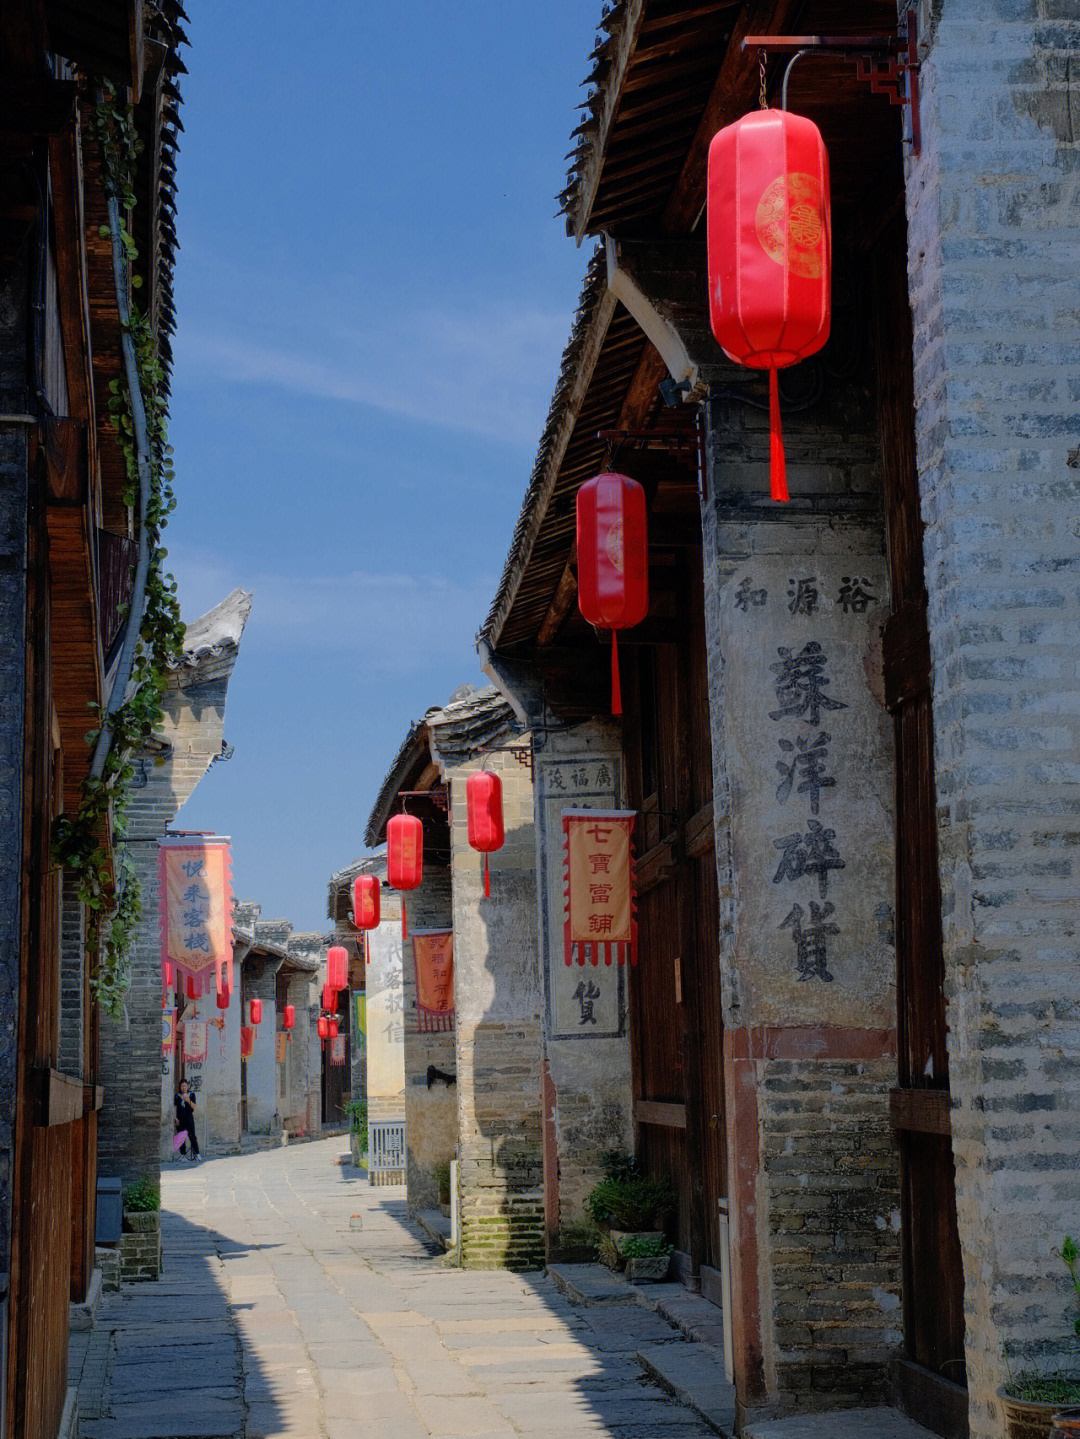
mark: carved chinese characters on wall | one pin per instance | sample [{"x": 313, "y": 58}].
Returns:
[{"x": 808, "y": 760}]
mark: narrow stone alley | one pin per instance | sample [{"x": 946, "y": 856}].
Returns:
[{"x": 298, "y": 1301}]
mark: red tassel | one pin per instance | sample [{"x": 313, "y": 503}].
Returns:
[
  {"x": 777, "y": 463},
  {"x": 487, "y": 879},
  {"x": 404, "y": 921},
  {"x": 616, "y": 689}
]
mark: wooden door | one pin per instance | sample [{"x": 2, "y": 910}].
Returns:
[
  {"x": 933, "y": 1286},
  {"x": 675, "y": 989}
]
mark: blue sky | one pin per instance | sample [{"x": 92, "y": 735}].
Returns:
[{"x": 373, "y": 293}]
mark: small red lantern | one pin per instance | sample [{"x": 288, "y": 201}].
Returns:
[
  {"x": 613, "y": 560},
  {"x": 256, "y": 1011},
  {"x": 483, "y": 795},
  {"x": 323, "y": 1029},
  {"x": 337, "y": 967},
  {"x": 329, "y": 997},
  {"x": 404, "y": 857},
  {"x": 193, "y": 987},
  {"x": 366, "y": 901},
  {"x": 333, "y": 1029},
  {"x": 288, "y": 1017},
  {"x": 224, "y": 997},
  {"x": 247, "y": 1041},
  {"x": 770, "y": 251}
]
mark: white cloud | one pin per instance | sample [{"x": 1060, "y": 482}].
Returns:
[
  {"x": 486, "y": 373},
  {"x": 395, "y": 622}
]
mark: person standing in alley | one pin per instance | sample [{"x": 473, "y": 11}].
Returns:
[{"x": 185, "y": 1117}]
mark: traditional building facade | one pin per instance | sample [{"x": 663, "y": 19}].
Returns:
[{"x": 855, "y": 1056}]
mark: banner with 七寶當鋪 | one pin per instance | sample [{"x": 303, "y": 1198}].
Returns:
[
  {"x": 600, "y": 910},
  {"x": 433, "y": 951},
  {"x": 196, "y": 911}
]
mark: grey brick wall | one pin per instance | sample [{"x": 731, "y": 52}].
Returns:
[{"x": 993, "y": 208}]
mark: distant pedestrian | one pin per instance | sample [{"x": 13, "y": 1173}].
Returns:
[{"x": 185, "y": 1119}]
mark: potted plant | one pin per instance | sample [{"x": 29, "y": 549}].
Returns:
[
  {"x": 140, "y": 1242},
  {"x": 1031, "y": 1398},
  {"x": 357, "y": 1111},
  {"x": 648, "y": 1259},
  {"x": 627, "y": 1206}
]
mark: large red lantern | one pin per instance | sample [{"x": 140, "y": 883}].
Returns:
[
  {"x": 613, "y": 560},
  {"x": 770, "y": 251},
  {"x": 366, "y": 901},
  {"x": 329, "y": 997},
  {"x": 404, "y": 857},
  {"x": 288, "y": 1017},
  {"x": 337, "y": 967},
  {"x": 483, "y": 797},
  {"x": 255, "y": 1008}
]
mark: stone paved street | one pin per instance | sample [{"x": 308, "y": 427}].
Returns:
[{"x": 278, "y": 1316}]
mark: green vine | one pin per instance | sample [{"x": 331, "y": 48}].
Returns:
[{"x": 111, "y": 892}]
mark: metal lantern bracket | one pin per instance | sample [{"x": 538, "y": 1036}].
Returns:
[
  {"x": 888, "y": 63},
  {"x": 438, "y": 797}
]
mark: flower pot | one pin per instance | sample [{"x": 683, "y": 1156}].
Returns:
[
  {"x": 650, "y": 1269},
  {"x": 1066, "y": 1423},
  {"x": 619, "y": 1237},
  {"x": 1026, "y": 1419}
]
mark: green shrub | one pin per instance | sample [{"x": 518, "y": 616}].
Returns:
[
  {"x": 628, "y": 1202},
  {"x": 651, "y": 1248},
  {"x": 1035, "y": 1388},
  {"x": 356, "y": 1109},
  {"x": 143, "y": 1195}
]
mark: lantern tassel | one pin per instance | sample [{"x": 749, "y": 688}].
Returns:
[
  {"x": 487, "y": 879},
  {"x": 777, "y": 463},
  {"x": 616, "y": 689},
  {"x": 404, "y": 920}
]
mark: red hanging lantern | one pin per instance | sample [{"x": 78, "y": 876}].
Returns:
[
  {"x": 770, "y": 251},
  {"x": 613, "y": 560},
  {"x": 404, "y": 857},
  {"x": 193, "y": 987},
  {"x": 366, "y": 901},
  {"x": 333, "y": 1029},
  {"x": 337, "y": 967},
  {"x": 483, "y": 796},
  {"x": 323, "y": 1026},
  {"x": 224, "y": 997},
  {"x": 247, "y": 1041},
  {"x": 329, "y": 997},
  {"x": 255, "y": 1008},
  {"x": 288, "y": 1017}
]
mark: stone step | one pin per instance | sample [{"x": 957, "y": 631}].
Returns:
[
  {"x": 592, "y": 1284},
  {"x": 435, "y": 1225},
  {"x": 840, "y": 1424},
  {"x": 694, "y": 1374}
]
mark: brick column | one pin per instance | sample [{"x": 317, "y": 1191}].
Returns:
[{"x": 994, "y": 253}]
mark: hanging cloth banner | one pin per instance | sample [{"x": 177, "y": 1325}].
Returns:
[
  {"x": 168, "y": 1032},
  {"x": 337, "y": 1049},
  {"x": 600, "y": 909},
  {"x": 196, "y": 911},
  {"x": 195, "y": 1041},
  {"x": 247, "y": 1041},
  {"x": 433, "y": 950}
]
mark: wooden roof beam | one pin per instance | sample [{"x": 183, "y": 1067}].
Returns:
[
  {"x": 732, "y": 95},
  {"x": 620, "y": 58}
]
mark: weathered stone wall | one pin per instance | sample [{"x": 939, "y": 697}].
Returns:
[
  {"x": 131, "y": 1135},
  {"x": 430, "y": 1114},
  {"x": 497, "y": 998},
  {"x": 260, "y": 982},
  {"x": 804, "y": 828},
  {"x": 587, "y": 1080},
  {"x": 994, "y": 253}
]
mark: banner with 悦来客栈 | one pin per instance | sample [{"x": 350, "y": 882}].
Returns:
[{"x": 196, "y": 912}]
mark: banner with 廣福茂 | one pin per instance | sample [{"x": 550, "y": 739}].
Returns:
[
  {"x": 433, "y": 951},
  {"x": 600, "y": 912},
  {"x": 196, "y": 911}
]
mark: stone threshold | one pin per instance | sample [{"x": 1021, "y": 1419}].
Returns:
[
  {"x": 82, "y": 1316},
  {"x": 695, "y": 1374},
  {"x": 435, "y": 1225},
  {"x": 878, "y": 1423}
]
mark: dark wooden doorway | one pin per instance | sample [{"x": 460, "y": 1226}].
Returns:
[
  {"x": 931, "y": 1376},
  {"x": 675, "y": 1015}
]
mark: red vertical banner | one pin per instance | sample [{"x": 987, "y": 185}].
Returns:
[
  {"x": 433, "y": 951},
  {"x": 196, "y": 912},
  {"x": 600, "y": 908},
  {"x": 337, "y": 1049}
]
